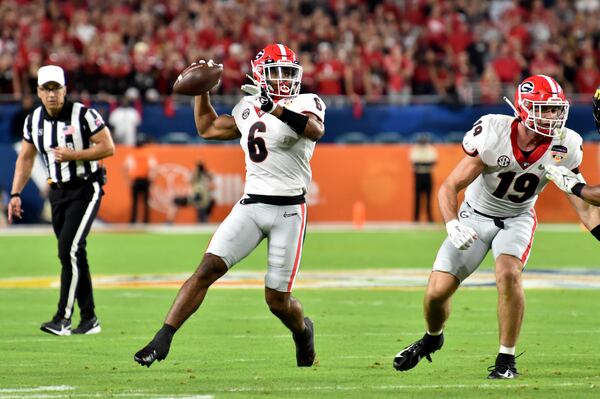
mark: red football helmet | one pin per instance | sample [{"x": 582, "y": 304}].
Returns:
[
  {"x": 541, "y": 105},
  {"x": 277, "y": 69}
]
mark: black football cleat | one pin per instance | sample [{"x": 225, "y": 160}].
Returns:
[
  {"x": 57, "y": 326},
  {"x": 147, "y": 355},
  {"x": 305, "y": 345},
  {"x": 504, "y": 369},
  {"x": 410, "y": 356},
  {"x": 157, "y": 349},
  {"x": 88, "y": 326}
]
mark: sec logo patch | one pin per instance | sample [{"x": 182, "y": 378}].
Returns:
[{"x": 503, "y": 161}]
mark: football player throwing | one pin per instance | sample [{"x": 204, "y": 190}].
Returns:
[{"x": 277, "y": 128}]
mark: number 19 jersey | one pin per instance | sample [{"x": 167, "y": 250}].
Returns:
[
  {"x": 277, "y": 158},
  {"x": 511, "y": 180}
]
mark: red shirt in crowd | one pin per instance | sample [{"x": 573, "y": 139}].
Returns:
[{"x": 329, "y": 77}]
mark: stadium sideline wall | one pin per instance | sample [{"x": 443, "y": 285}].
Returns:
[{"x": 379, "y": 176}]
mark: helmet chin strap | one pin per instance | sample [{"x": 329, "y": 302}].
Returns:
[{"x": 512, "y": 106}]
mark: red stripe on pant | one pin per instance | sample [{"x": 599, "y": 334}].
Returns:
[
  {"x": 528, "y": 249},
  {"x": 298, "y": 248}
]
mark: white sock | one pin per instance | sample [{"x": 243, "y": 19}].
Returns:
[
  {"x": 435, "y": 333},
  {"x": 508, "y": 350}
]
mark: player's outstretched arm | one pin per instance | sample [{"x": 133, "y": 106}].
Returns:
[
  {"x": 211, "y": 126},
  {"x": 588, "y": 214},
  {"x": 591, "y": 194},
  {"x": 574, "y": 184}
]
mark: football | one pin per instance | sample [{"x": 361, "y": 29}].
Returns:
[{"x": 198, "y": 78}]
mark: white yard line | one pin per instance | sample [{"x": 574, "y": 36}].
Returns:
[
  {"x": 33, "y": 393},
  {"x": 323, "y": 388},
  {"x": 51, "y": 388},
  {"x": 418, "y": 387}
]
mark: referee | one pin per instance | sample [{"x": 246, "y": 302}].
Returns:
[{"x": 71, "y": 139}]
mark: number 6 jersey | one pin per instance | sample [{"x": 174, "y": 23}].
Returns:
[
  {"x": 511, "y": 180},
  {"x": 277, "y": 158}
]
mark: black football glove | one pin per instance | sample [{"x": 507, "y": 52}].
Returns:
[
  {"x": 596, "y": 106},
  {"x": 264, "y": 101},
  {"x": 157, "y": 349}
]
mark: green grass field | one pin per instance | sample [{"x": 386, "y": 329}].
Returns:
[{"x": 233, "y": 348}]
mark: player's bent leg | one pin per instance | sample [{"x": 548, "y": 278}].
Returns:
[
  {"x": 436, "y": 307},
  {"x": 289, "y": 310},
  {"x": 436, "y": 304},
  {"x": 188, "y": 300},
  {"x": 511, "y": 298},
  {"x": 192, "y": 292}
]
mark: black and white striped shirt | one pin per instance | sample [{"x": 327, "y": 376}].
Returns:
[{"x": 72, "y": 128}]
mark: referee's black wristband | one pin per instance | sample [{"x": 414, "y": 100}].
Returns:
[
  {"x": 13, "y": 195},
  {"x": 297, "y": 122},
  {"x": 577, "y": 189},
  {"x": 596, "y": 232}
]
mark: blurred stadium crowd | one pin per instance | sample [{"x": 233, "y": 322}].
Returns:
[{"x": 386, "y": 50}]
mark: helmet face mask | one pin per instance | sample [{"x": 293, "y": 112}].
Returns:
[
  {"x": 547, "y": 119},
  {"x": 541, "y": 105},
  {"x": 282, "y": 81},
  {"x": 277, "y": 69}
]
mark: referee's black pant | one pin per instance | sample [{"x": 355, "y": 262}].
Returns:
[{"x": 74, "y": 208}]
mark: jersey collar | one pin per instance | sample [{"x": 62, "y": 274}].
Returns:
[
  {"x": 63, "y": 115},
  {"x": 523, "y": 160}
]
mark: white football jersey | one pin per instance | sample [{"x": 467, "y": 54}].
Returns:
[
  {"x": 277, "y": 158},
  {"x": 511, "y": 180}
]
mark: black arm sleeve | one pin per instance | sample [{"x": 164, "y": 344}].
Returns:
[{"x": 297, "y": 122}]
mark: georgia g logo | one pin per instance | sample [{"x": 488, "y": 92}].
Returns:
[
  {"x": 503, "y": 161},
  {"x": 526, "y": 87}
]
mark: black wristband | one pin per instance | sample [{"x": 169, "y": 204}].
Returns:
[
  {"x": 297, "y": 122},
  {"x": 577, "y": 189},
  {"x": 596, "y": 232},
  {"x": 13, "y": 195}
]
